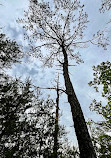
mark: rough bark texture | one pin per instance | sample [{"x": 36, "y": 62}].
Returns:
[{"x": 84, "y": 141}]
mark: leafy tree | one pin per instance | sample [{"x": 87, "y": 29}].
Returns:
[
  {"x": 101, "y": 130},
  {"x": 10, "y": 52},
  {"x": 13, "y": 104},
  {"x": 59, "y": 28},
  {"x": 68, "y": 151},
  {"x": 24, "y": 134},
  {"x": 10, "y": 97},
  {"x": 27, "y": 123}
]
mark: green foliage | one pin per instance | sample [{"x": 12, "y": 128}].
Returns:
[
  {"x": 68, "y": 151},
  {"x": 9, "y": 52},
  {"x": 102, "y": 75},
  {"x": 101, "y": 131},
  {"x": 27, "y": 123}
]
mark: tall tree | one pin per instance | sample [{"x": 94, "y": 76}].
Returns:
[
  {"x": 101, "y": 130},
  {"x": 58, "y": 26},
  {"x": 61, "y": 148},
  {"x": 28, "y": 125}
]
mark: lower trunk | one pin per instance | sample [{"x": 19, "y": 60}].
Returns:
[
  {"x": 84, "y": 141},
  {"x": 55, "y": 150}
]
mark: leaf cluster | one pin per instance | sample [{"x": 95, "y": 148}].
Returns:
[
  {"x": 106, "y": 5},
  {"x": 101, "y": 130},
  {"x": 10, "y": 52}
]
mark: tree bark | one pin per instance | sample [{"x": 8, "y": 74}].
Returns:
[
  {"x": 55, "y": 150},
  {"x": 84, "y": 141}
]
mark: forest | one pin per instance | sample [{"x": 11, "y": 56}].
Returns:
[{"x": 55, "y": 79}]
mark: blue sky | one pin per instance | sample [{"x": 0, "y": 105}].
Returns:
[{"x": 80, "y": 75}]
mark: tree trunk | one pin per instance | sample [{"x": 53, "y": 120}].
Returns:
[
  {"x": 56, "y": 126},
  {"x": 84, "y": 141}
]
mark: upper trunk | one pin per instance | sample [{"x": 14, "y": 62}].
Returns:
[{"x": 84, "y": 141}]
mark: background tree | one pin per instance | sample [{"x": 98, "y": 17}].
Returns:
[
  {"x": 10, "y": 52},
  {"x": 69, "y": 152},
  {"x": 101, "y": 131},
  {"x": 13, "y": 104},
  {"x": 24, "y": 133},
  {"x": 27, "y": 123},
  {"x": 14, "y": 96},
  {"x": 59, "y": 29}
]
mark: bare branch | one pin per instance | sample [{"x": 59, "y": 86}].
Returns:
[
  {"x": 53, "y": 30},
  {"x": 72, "y": 65},
  {"x": 49, "y": 36},
  {"x": 96, "y": 40},
  {"x": 50, "y": 57},
  {"x": 45, "y": 44},
  {"x": 66, "y": 23},
  {"x": 59, "y": 61},
  {"x": 50, "y": 88}
]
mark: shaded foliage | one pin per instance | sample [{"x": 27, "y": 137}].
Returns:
[
  {"x": 24, "y": 134},
  {"x": 101, "y": 131},
  {"x": 27, "y": 123},
  {"x": 10, "y": 52}
]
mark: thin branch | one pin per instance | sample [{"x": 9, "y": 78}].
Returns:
[
  {"x": 72, "y": 65},
  {"x": 71, "y": 40},
  {"x": 91, "y": 41},
  {"x": 50, "y": 36},
  {"x": 53, "y": 30},
  {"x": 65, "y": 24},
  {"x": 45, "y": 44},
  {"x": 50, "y": 88},
  {"x": 58, "y": 51},
  {"x": 75, "y": 43},
  {"x": 59, "y": 61},
  {"x": 50, "y": 57},
  {"x": 68, "y": 65}
]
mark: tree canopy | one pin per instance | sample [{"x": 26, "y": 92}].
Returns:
[
  {"x": 101, "y": 130},
  {"x": 59, "y": 28},
  {"x": 50, "y": 26},
  {"x": 10, "y": 52}
]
